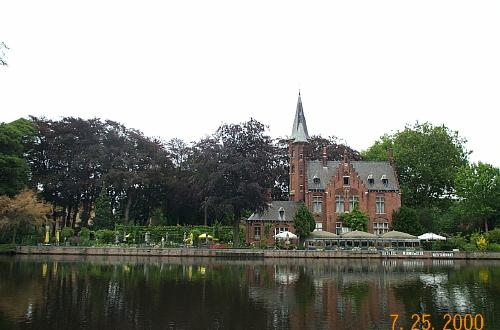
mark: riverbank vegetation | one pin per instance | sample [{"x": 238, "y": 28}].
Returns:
[{"x": 93, "y": 176}]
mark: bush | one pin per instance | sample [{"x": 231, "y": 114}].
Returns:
[
  {"x": 66, "y": 233},
  {"x": 493, "y": 247},
  {"x": 493, "y": 236},
  {"x": 457, "y": 242},
  {"x": 105, "y": 236},
  {"x": 84, "y": 233}
]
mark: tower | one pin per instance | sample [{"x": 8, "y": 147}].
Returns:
[{"x": 298, "y": 151}]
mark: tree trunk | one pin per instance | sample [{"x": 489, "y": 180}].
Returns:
[
  {"x": 127, "y": 209},
  {"x": 15, "y": 233},
  {"x": 236, "y": 230},
  {"x": 486, "y": 225}
]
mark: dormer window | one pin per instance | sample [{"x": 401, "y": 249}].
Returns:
[
  {"x": 316, "y": 180},
  {"x": 370, "y": 179},
  {"x": 281, "y": 213},
  {"x": 384, "y": 180}
]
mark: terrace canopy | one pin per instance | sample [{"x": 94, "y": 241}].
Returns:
[{"x": 431, "y": 237}]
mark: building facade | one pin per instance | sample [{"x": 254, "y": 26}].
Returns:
[{"x": 329, "y": 189}]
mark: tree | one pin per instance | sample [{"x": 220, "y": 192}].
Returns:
[
  {"x": 427, "y": 159},
  {"x": 22, "y": 210},
  {"x": 13, "y": 167},
  {"x": 104, "y": 217},
  {"x": 478, "y": 186},
  {"x": 303, "y": 222},
  {"x": 356, "y": 219},
  {"x": 3, "y": 56},
  {"x": 233, "y": 168},
  {"x": 406, "y": 220},
  {"x": 335, "y": 150},
  {"x": 378, "y": 151}
]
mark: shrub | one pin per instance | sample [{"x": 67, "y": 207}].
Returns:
[
  {"x": 67, "y": 232},
  {"x": 482, "y": 243},
  {"x": 457, "y": 242},
  {"x": 84, "y": 233},
  {"x": 493, "y": 236},
  {"x": 493, "y": 247},
  {"x": 105, "y": 236}
]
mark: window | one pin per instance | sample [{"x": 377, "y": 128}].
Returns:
[
  {"x": 384, "y": 180},
  {"x": 346, "y": 180},
  {"x": 317, "y": 203},
  {"x": 353, "y": 202},
  {"x": 278, "y": 230},
  {"x": 319, "y": 226},
  {"x": 301, "y": 156},
  {"x": 380, "y": 228},
  {"x": 339, "y": 204},
  {"x": 338, "y": 228},
  {"x": 316, "y": 180},
  {"x": 256, "y": 233},
  {"x": 371, "y": 181},
  {"x": 301, "y": 188},
  {"x": 293, "y": 153},
  {"x": 292, "y": 169},
  {"x": 380, "y": 203}
]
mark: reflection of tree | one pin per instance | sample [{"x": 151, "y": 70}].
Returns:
[
  {"x": 357, "y": 292},
  {"x": 304, "y": 289}
]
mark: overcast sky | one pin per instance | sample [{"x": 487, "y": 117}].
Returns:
[{"x": 181, "y": 68}]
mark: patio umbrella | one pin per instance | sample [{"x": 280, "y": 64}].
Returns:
[
  {"x": 285, "y": 234},
  {"x": 431, "y": 237},
  {"x": 204, "y": 235}
]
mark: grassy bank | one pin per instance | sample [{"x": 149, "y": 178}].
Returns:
[{"x": 7, "y": 248}]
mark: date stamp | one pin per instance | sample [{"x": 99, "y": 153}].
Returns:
[{"x": 452, "y": 321}]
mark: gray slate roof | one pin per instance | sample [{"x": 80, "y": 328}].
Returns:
[
  {"x": 272, "y": 213},
  {"x": 363, "y": 168},
  {"x": 299, "y": 129}
]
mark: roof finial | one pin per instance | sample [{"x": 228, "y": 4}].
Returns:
[{"x": 299, "y": 91}]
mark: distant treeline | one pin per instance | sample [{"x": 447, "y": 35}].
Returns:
[{"x": 101, "y": 172}]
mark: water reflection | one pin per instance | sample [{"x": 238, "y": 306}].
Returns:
[{"x": 203, "y": 293}]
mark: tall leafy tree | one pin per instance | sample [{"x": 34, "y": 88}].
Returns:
[
  {"x": 303, "y": 222},
  {"x": 234, "y": 169},
  {"x": 406, "y": 220},
  {"x": 104, "y": 217},
  {"x": 427, "y": 159},
  {"x": 478, "y": 186},
  {"x": 14, "y": 170}
]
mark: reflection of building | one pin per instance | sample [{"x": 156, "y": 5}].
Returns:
[{"x": 330, "y": 188}]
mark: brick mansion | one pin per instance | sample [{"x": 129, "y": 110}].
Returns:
[{"x": 329, "y": 189}]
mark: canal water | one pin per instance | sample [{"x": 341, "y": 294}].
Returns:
[{"x": 74, "y": 292}]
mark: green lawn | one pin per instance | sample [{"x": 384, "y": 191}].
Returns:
[{"x": 6, "y": 248}]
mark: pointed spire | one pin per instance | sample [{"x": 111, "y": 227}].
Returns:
[{"x": 299, "y": 130}]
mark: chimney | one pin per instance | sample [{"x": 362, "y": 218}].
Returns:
[
  {"x": 390, "y": 156},
  {"x": 269, "y": 195},
  {"x": 345, "y": 156},
  {"x": 325, "y": 157}
]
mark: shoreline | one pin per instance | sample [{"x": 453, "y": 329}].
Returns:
[{"x": 252, "y": 254}]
